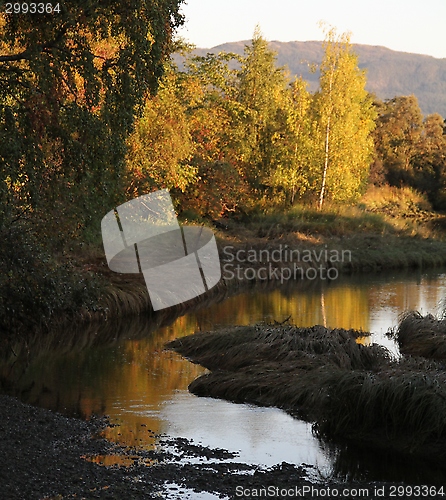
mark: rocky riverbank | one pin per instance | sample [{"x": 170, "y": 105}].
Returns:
[{"x": 44, "y": 455}]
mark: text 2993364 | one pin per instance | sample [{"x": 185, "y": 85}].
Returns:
[{"x": 32, "y": 8}]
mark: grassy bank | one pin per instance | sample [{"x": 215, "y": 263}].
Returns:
[
  {"x": 346, "y": 389},
  {"x": 389, "y": 229}
]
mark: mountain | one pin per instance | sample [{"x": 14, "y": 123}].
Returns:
[{"x": 389, "y": 73}]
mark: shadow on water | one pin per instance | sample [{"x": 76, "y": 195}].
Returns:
[
  {"x": 351, "y": 463},
  {"x": 119, "y": 368}
]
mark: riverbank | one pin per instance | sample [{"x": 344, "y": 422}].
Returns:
[
  {"x": 47, "y": 456},
  {"x": 204, "y": 476},
  {"x": 389, "y": 229},
  {"x": 248, "y": 257}
]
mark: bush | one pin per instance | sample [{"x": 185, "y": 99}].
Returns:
[{"x": 34, "y": 287}]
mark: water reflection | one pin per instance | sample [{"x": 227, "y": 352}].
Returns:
[
  {"x": 120, "y": 369},
  {"x": 257, "y": 433}
]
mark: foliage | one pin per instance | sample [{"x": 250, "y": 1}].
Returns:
[
  {"x": 160, "y": 148},
  {"x": 389, "y": 73},
  {"x": 209, "y": 93},
  {"x": 93, "y": 113},
  {"x": 430, "y": 163},
  {"x": 411, "y": 151},
  {"x": 396, "y": 202},
  {"x": 71, "y": 84},
  {"x": 398, "y": 136},
  {"x": 343, "y": 121},
  {"x": 262, "y": 96},
  {"x": 238, "y": 134},
  {"x": 294, "y": 158},
  {"x": 34, "y": 287},
  {"x": 259, "y": 139}
]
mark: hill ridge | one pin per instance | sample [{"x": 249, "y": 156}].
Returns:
[{"x": 390, "y": 72}]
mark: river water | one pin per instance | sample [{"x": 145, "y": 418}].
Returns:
[{"x": 143, "y": 388}]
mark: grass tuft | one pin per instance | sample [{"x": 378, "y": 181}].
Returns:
[{"x": 424, "y": 336}]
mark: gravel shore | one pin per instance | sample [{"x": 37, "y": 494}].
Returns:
[{"x": 44, "y": 455}]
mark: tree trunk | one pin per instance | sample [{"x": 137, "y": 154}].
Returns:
[{"x": 324, "y": 174}]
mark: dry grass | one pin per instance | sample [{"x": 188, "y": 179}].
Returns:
[
  {"x": 346, "y": 389},
  {"x": 384, "y": 210},
  {"x": 405, "y": 403},
  {"x": 424, "y": 336},
  {"x": 406, "y": 210},
  {"x": 396, "y": 201},
  {"x": 238, "y": 347}
]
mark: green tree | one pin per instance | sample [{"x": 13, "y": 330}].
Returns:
[
  {"x": 429, "y": 164},
  {"x": 293, "y": 149},
  {"x": 343, "y": 121},
  {"x": 71, "y": 84},
  {"x": 160, "y": 149},
  {"x": 262, "y": 115},
  {"x": 410, "y": 150},
  {"x": 211, "y": 83},
  {"x": 398, "y": 138}
]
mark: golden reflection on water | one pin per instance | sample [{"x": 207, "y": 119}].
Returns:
[{"x": 366, "y": 340}]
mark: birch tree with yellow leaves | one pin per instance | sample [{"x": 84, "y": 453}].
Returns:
[{"x": 343, "y": 122}]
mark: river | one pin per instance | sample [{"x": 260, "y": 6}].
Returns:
[{"x": 143, "y": 388}]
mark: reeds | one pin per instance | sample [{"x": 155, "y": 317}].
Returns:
[
  {"x": 424, "y": 336},
  {"x": 234, "y": 348},
  {"x": 346, "y": 389},
  {"x": 403, "y": 403}
]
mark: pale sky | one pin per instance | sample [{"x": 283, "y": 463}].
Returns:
[{"x": 417, "y": 26}]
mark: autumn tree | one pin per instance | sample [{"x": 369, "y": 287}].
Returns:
[
  {"x": 292, "y": 161},
  {"x": 430, "y": 164},
  {"x": 410, "y": 150},
  {"x": 262, "y": 99},
  {"x": 398, "y": 137},
  {"x": 220, "y": 187},
  {"x": 343, "y": 121},
  {"x": 71, "y": 83},
  {"x": 160, "y": 149}
]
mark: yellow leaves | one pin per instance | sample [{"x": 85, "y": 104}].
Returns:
[
  {"x": 160, "y": 149},
  {"x": 344, "y": 119}
]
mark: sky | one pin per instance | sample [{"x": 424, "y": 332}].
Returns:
[{"x": 417, "y": 26}]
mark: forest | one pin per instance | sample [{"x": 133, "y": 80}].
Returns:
[{"x": 94, "y": 112}]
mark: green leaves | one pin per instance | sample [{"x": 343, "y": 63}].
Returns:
[
  {"x": 259, "y": 139},
  {"x": 71, "y": 85},
  {"x": 262, "y": 93},
  {"x": 292, "y": 146},
  {"x": 74, "y": 83},
  {"x": 160, "y": 148},
  {"x": 411, "y": 151}
]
